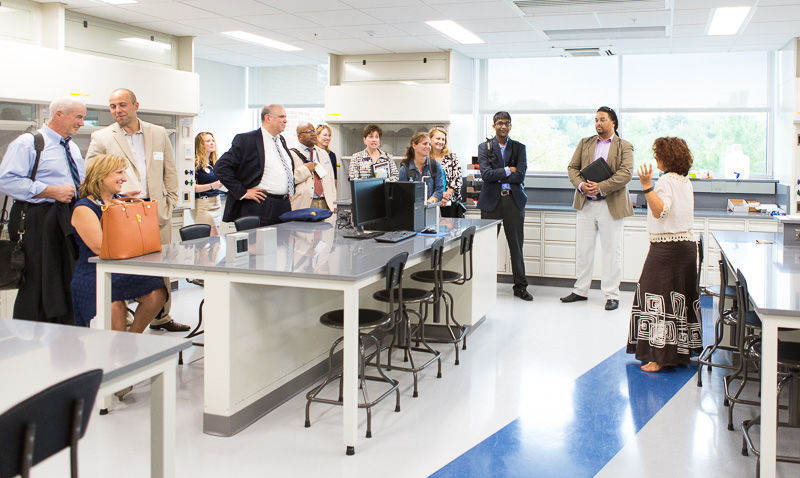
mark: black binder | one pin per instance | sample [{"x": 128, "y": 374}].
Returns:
[{"x": 598, "y": 170}]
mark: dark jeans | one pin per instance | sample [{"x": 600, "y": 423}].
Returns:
[
  {"x": 513, "y": 222},
  {"x": 267, "y": 210}
]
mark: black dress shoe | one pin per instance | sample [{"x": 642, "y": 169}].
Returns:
[
  {"x": 573, "y": 297},
  {"x": 612, "y": 304},
  {"x": 171, "y": 326},
  {"x": 524, "y": 295}
]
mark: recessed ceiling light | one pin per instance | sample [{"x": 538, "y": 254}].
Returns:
[
  {"x": 148, "y": 43},
  {"x": 727, "y": 20},
  {"x": 259, "y": 40},
  {"x": 455, "y": 31},
  {"x": 119, "y": 2}
]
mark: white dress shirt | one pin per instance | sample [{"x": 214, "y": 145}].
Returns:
[
  {"x": 677, "y": 217},
  {"x": 136, "y": 142},
  {"x": 274, "y": 180}
]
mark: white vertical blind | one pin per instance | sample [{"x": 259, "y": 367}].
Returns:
[{"x": 291, "y": 86}]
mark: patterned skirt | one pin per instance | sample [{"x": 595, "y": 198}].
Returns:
[{"x": 665, "y": 324}]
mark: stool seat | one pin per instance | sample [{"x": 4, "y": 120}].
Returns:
[
  {"x": 367, "y": 318},
  {"x": 713, "y": 290},
  {"x": 409, "y": 295},
  {"x": 429, "y": 276}
]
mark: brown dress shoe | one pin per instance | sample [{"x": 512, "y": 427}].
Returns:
[{"x": 171, "y": 326}]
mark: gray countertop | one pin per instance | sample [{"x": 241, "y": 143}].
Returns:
[
  {"x": 640, "y": 211},
  {"x": 36, "y": 355},
  {"x": 772, "y": 271},
  {"x": 303, "y": 249}
]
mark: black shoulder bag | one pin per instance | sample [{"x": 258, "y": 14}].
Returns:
[{"x": 12, "y": 257}]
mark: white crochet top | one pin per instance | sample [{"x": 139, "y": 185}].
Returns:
[{"x": 677, "y": 218}]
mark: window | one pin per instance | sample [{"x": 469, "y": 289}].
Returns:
[
  {"x": 708, "y": 136},
  {"x": 712, "y": 100},
  {"x": 549, "y": 139}
]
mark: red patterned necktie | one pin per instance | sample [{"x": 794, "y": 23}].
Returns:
[{"x": 317, "y": 181}]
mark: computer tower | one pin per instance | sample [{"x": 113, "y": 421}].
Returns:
[{"x": 405, "y": 205}]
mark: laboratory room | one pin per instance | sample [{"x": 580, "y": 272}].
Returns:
[{"x": 406, "y": 238}]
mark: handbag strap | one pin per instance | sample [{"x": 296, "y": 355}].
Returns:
[{"x": 38, "y": 145}]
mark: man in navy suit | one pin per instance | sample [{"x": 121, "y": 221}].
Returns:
[
  {"x": 258, "y": 171},
  {"x": 503, "y": 164}
]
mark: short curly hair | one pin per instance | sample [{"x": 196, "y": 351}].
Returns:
[
  {"x": 371, "y": 128},
  {"x": 673, "y": 154}
]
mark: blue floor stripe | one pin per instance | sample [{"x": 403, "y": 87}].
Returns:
[{"x": 609, "y": 404}]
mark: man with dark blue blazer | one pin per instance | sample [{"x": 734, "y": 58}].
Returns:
[
  {"x": 503, "y": 164},
  {"x": 258, "y": 171}
]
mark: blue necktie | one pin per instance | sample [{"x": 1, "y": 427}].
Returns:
[
  {"x": 289, "y": 174},
  {"x": 73, "y": 168}
]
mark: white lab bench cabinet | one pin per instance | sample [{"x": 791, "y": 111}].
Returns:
[{"x": 549, "y": 249}]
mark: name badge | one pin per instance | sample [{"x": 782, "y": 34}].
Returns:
[{"x": 158, "y": 156}]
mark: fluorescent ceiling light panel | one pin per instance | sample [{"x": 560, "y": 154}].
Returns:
[
  {"x": 455, "y": 31},
  {"x": 119, "y": 2},
  {"x": 148, "y": 43},
  {"x": 727, "y": 20},
  {"x": 259, "y": 40}
]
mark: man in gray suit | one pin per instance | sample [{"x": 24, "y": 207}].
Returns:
[
  {"x": 151, "y": 172},
  {"x": 601, "y": 207}
]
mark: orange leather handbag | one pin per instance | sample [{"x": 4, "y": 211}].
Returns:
[{"x": 130, "y": 229}]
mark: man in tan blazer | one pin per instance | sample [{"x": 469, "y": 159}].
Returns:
[
  {"x": 601, "y": 207},
  {"x": 315, "y": 185},
  {"x": 151, "y": 172}
]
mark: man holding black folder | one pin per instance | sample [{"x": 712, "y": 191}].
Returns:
[{"x": 600, "y": 170}]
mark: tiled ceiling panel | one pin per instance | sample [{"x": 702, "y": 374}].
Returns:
[{"x": 321, "y": 27}]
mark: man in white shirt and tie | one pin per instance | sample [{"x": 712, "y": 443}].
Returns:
[
  {"x": 257, "y": 170},
  {"x": 315, "y": 185}
]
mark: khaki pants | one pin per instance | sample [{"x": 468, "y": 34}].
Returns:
[
  {"x": 207, "y": 210},
  {"x": 319, "y": 203}
]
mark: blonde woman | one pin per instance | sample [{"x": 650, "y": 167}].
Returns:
[
  {"x": 105, "y": 176},
  {"x": 324, "y": 141},
  {"x": 451, "y": 205},
  {"x": 207, "y": 188}
]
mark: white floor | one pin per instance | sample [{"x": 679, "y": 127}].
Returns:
[{"x": 521, "y": 363}]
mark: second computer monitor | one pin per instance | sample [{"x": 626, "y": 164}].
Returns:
[{"x": 369, "y": 202}]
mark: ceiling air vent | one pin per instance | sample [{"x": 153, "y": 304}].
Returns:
[
  {"x": 550, "y": 7},
  {"x": 607, "y": 33},
  {"x": 587, "y": 52}
]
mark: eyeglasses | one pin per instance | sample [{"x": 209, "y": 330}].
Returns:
[
  {"x": 309, "y": 131},
  {"x": 503, "y": 123}
]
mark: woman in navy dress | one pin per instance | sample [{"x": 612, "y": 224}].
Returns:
[{"x": 105, "y": 176}]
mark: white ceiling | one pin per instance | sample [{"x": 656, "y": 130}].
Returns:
[{"x": 349, "y": 27}]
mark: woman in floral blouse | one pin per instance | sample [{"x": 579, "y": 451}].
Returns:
[
  {"x": 372, "y": 162},
  {"x": 451, "y": 205}
]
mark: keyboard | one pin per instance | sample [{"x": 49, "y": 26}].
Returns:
[
  {"x": 362, "y": 235},
  {"x": 395, "y": 236}
]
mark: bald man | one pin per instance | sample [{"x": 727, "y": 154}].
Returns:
[
  {"x": 46, "y": 202},
  {"x": 315, "y": 184},
  {"x": 151, "y": 172},
  {"x": 257, "y": 171}
]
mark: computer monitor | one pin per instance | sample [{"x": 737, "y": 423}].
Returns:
[{"x": 369, "y": 203}]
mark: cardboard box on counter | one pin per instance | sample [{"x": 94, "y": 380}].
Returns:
[{"x": 742, "y": 206}]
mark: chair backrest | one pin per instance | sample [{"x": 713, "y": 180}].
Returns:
[
  {"x": 467, "y": 238},
  {"x": 394, "y": 278},
  {"x": 700, "y": 255},
  {"x": 194, "y": 231},
  {"x": 46, "y": 423},
  {"x": 723, "y": 287},
  {"x": 247, "y": 222}
]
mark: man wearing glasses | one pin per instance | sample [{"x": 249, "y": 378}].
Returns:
[
  {"x": 503, "y": 164},
  {"x": 315, "y": 184}
]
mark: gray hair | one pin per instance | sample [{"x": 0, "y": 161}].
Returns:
[
  {"x": 65, "y": 104},
  {"x": 267, "y": 110}
]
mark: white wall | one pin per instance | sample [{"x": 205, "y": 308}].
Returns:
[{"x": 223, "y": 102}]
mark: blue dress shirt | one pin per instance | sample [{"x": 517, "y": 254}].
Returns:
[
  {"x": 434, "y": 179},
  {"x": 53, "y": 169}
]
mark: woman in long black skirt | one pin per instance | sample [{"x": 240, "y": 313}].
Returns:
[{"x": 665, "y": 325}]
